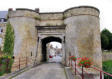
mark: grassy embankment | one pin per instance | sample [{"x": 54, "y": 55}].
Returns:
[{"x": 107, "y": 66}]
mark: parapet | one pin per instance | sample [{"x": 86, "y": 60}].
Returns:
[
  {"x": 52, "y": 16},
  {"x": 22, "y": 12},
  {"x": 74, "y": 11},
  {"x": 81, "y": 10}
]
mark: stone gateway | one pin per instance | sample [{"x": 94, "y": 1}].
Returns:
[{"x": 77, "y": 29}]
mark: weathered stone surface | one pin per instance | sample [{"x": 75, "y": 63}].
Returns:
[
  {"x": 51, "y": 16},
  {"x": 51, "y": 23},
  {"x": 107, "y": 56},
  {"x": 81, "y": 10},
  {"x": 51, "y": 19},
  {"x": 25, "y": 37},
  {"x": 23, "y": 13},
  {"x": 2, "y": 34},
  {"x": 83, "y": 36}
]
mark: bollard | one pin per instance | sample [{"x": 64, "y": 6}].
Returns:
[
  {"x": 100, "y": 75},
  {"x": 82, "y": 73},
  {"x": 19, "y": 63},
  {"x": 69, "y": 61},
  {"x": 75, "y": 67},
  {"x": 26, "y": 61}
]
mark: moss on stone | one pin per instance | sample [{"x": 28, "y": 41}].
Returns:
[{"x": 37, "y": 18}]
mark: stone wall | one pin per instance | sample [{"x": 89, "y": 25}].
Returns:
[
  {"x": 51, "y": 19},
  {"x": 81, "y": 10},
  {"x": 2, "y": 34},
  {"x": 106, "y": 56}
]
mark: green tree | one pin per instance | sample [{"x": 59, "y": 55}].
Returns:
[
  {"x": 9, "y": 40},
  {"x": 106, "y": 39}
]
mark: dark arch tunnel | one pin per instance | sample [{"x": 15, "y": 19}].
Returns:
[{"x": 44, "y": 42}]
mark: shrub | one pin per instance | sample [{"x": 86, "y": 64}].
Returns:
[
  {"x": 5, "y": 64},
  {"x": 9, "y": 40}
]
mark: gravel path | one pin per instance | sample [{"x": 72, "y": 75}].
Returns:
[{"x": 44, "y": 71}]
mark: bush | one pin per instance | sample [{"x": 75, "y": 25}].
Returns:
[{"x": 5, "y": 64}]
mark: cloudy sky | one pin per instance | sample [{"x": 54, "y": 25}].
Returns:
[{"x": 105, "y": 7}]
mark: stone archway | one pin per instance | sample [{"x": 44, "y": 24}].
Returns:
[
  {"x": 46, "y": 34},
  {"x": 43, "y": 40},
  {"x": 41, "y": 47}
]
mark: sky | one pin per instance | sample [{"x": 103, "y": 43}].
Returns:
[
  {"x": 105, "y": 7},
  {"x": 56, "y": 44}
]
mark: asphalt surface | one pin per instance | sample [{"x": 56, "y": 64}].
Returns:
[{"x": 44, "y": 71}]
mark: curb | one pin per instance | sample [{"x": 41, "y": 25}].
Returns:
[{"x": 69, "y": 73}]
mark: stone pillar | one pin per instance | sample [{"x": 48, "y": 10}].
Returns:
[
  {"x": 63, "y": 51},
  {"x": 39, "y": 53}
]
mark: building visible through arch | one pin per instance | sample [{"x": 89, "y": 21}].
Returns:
[{"x": 44, "y": 42}]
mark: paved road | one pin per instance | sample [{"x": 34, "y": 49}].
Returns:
[
  {"x": 55, "y": 59},
  {"x": 44, "y": 71}
]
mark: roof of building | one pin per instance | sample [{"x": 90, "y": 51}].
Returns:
[{"x": 3, "y": 14}]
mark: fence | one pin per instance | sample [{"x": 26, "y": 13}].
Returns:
[
  {"x": 7, "y": 65},
  {"x": 84, "y": 73},
  {"x": 20, "y": 63}
]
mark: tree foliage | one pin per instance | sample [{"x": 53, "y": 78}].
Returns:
[
  {"x": 9, "y": 40},
  {"x": 106, "y": 39}
]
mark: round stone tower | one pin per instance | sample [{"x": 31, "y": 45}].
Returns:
[
  {"x": 24, "y": 21},
  {"x": 83, "y": 33}
]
